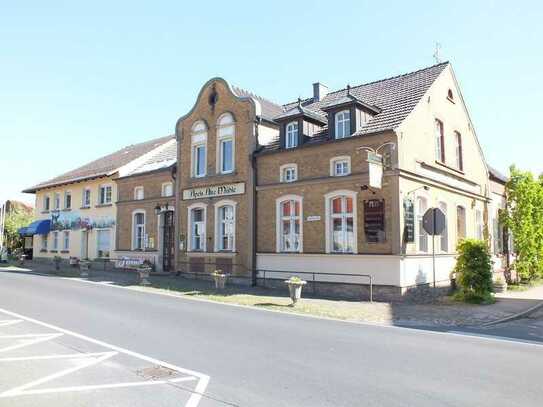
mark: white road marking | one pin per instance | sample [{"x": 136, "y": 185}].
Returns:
[
  {"x": 196, "y": 394},
  {"x": 10, "y": 322},
  {"x": 17, "y": 391},
  {"x": 49, "y": 357},
  {"x": 32, "y": 339}
]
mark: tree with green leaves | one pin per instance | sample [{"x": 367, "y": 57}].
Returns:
[
  {"x": 15, "y": 220},
  {"x": 524, "y": 219},
  {"x": 474, "y": 271}
]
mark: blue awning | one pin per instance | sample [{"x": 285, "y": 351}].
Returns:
[{"x": 38, "y": 227}]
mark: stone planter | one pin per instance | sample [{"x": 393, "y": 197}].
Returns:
[
  {"x": 220, "y": 281},
  {"x": 84, "y": 267},
  {"x": 143, "y": 273},
  {"x": 500, "y": 286},
  {"x": 295, "y": 289}
]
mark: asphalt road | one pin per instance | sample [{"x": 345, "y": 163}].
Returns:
[{"x": 258, "y": 358}]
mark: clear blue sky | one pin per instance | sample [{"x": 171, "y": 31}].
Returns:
[{"x": 78, "y": 81}]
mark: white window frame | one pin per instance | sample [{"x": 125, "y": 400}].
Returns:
[
  {"x": 163, "y": 187},
  {"x": 218, "y": 221},
  {"x": 479, "y": 225},
  {"x": 109, "y": 230},
  {"x": 444, "y": 236},
  {"x": 439, "y": 140},
  {"x": 465, "y": 222},
  {"x": 203, "y": 206},
  {"x": 226, "y": 131},
  {"x": 458, "y": 151},
  {"x": 136, "y": 191},
  {"x": 282, "y": 172},
  {"x": 105, "y": 188},
  {"x": 66, "y": 240},
  {"x": 342, "y": 120},
  {"x": 134, "y": 229},
  {"x": 198, "y": 139},
  {"x": 292, "y": 134},
  {"x": 336, "y": 160},
  {"x": 84, "y": 202},
  {"x": 279, "y": 223},
  {"x": 66, "y": 194},
  {"x": 420, "y": 232},
  {"x": 328, "y": 219}
]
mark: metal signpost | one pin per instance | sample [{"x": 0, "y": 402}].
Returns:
[{"x": 434, "y": 222}]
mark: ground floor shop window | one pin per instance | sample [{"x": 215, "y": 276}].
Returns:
[
  {"x": 103, "y": 242},
  {"x": 289, "y": 229},
  {"x": 341, "y": 224}
]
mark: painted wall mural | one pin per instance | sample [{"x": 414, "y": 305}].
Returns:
[{"x": 74, "y": 221}]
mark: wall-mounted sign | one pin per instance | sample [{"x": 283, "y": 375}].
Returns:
[
  {"x": 214, "y": 191},
  {"x": 409, "y": 220},
  {"x": 374, "y": 220},
  {"x": 313, "y": 218}
]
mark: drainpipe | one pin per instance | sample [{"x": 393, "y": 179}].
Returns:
[{"x": 255, "y": 201}]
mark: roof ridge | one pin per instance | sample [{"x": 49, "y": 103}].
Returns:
[{"x": 379, "y": 80}]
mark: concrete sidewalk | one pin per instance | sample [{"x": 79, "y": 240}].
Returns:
[{"x": 445, "y": 313}]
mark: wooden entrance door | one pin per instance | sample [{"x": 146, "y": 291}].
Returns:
[{"x": 168, "y": 240}]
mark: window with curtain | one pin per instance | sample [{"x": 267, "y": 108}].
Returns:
[
  {"x": 103, "y": 243},
  {"x": 226, "y": 228},
  {"x": 197, "y": 222},
  {"x": 289, "y": 233},
  {"x": 139, "y": 231},
  {"x": 422, "y": 206},
  {"x": 342, "y": 223}
]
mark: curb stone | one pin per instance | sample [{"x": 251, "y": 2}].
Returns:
[{"x": 518, "y": 315}]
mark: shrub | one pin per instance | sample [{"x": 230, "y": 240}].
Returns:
[{"x": 474, "y": 271}]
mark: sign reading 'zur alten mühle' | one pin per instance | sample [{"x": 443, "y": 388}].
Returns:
[{"x": 214, "y": 191}]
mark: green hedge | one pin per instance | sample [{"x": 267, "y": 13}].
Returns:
[{"x": 474, "y": 271}]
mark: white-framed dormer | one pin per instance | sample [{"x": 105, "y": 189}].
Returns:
[
  {"x": 225, "y": 225},
  {"x": 289, "y": 224},
  {"x": 341, "y": 210},
  {"x": 198, "y": 149},
  {"x": 288, "y": 172},
  {"x": 342, "y": 123},
  {"x": 340, "y": 166},
  {"x": 139, "y": 193},
  {"x": 291, "y": 134},
  {"x": 226, "y": 144},
  {"x": 196, "y": 227},
  {"x": 139, "y": 219}
]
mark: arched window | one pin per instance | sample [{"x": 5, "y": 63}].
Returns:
[
  {"x": 225, "y": 144},
  {"x": 458, "y": 148},
  {"x": 439, "y": 141},
  {"x": 343, "y": 124},
  {"x": 291, "y": 137},
  {"x": 460, "y": 223},
  {"x": 444, "y": 238},
  {"x": 225, "y": 225},
  {"x": 341, "y": 223},
  {"x": 422, "y": 241},
  {"x": 199, "y": 149},
  {"x": 138, "y": 230},
  {"x": 289, "y": 224}
]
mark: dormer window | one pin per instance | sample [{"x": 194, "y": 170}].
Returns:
[
  {"x": 291, "y": 138},
  {"x": 343, "y": 124}
]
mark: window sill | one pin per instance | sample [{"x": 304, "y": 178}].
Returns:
[
  {"x": 104, "y": 205},
  {"x": 43, "y": 251},
  {"x": 451, "y": 100},
  {"x": 53, "y": 251},
  {"x": 65, "y": 251},
  {"x": 66, "y": 209},
  {"x": 441, "y": 163}
]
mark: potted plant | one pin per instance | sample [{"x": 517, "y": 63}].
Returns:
[
  {"x": 220, "y": 279},
  {"x": 57, "y": 260},
  {"x": 295, "y": 285},
  {"x": 499, "y": 285},
  {"x": 144, "y": 270},
  {"x": 84, "y": 266}
]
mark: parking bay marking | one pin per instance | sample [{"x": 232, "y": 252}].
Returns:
[{"x": 193, "y": 401}]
